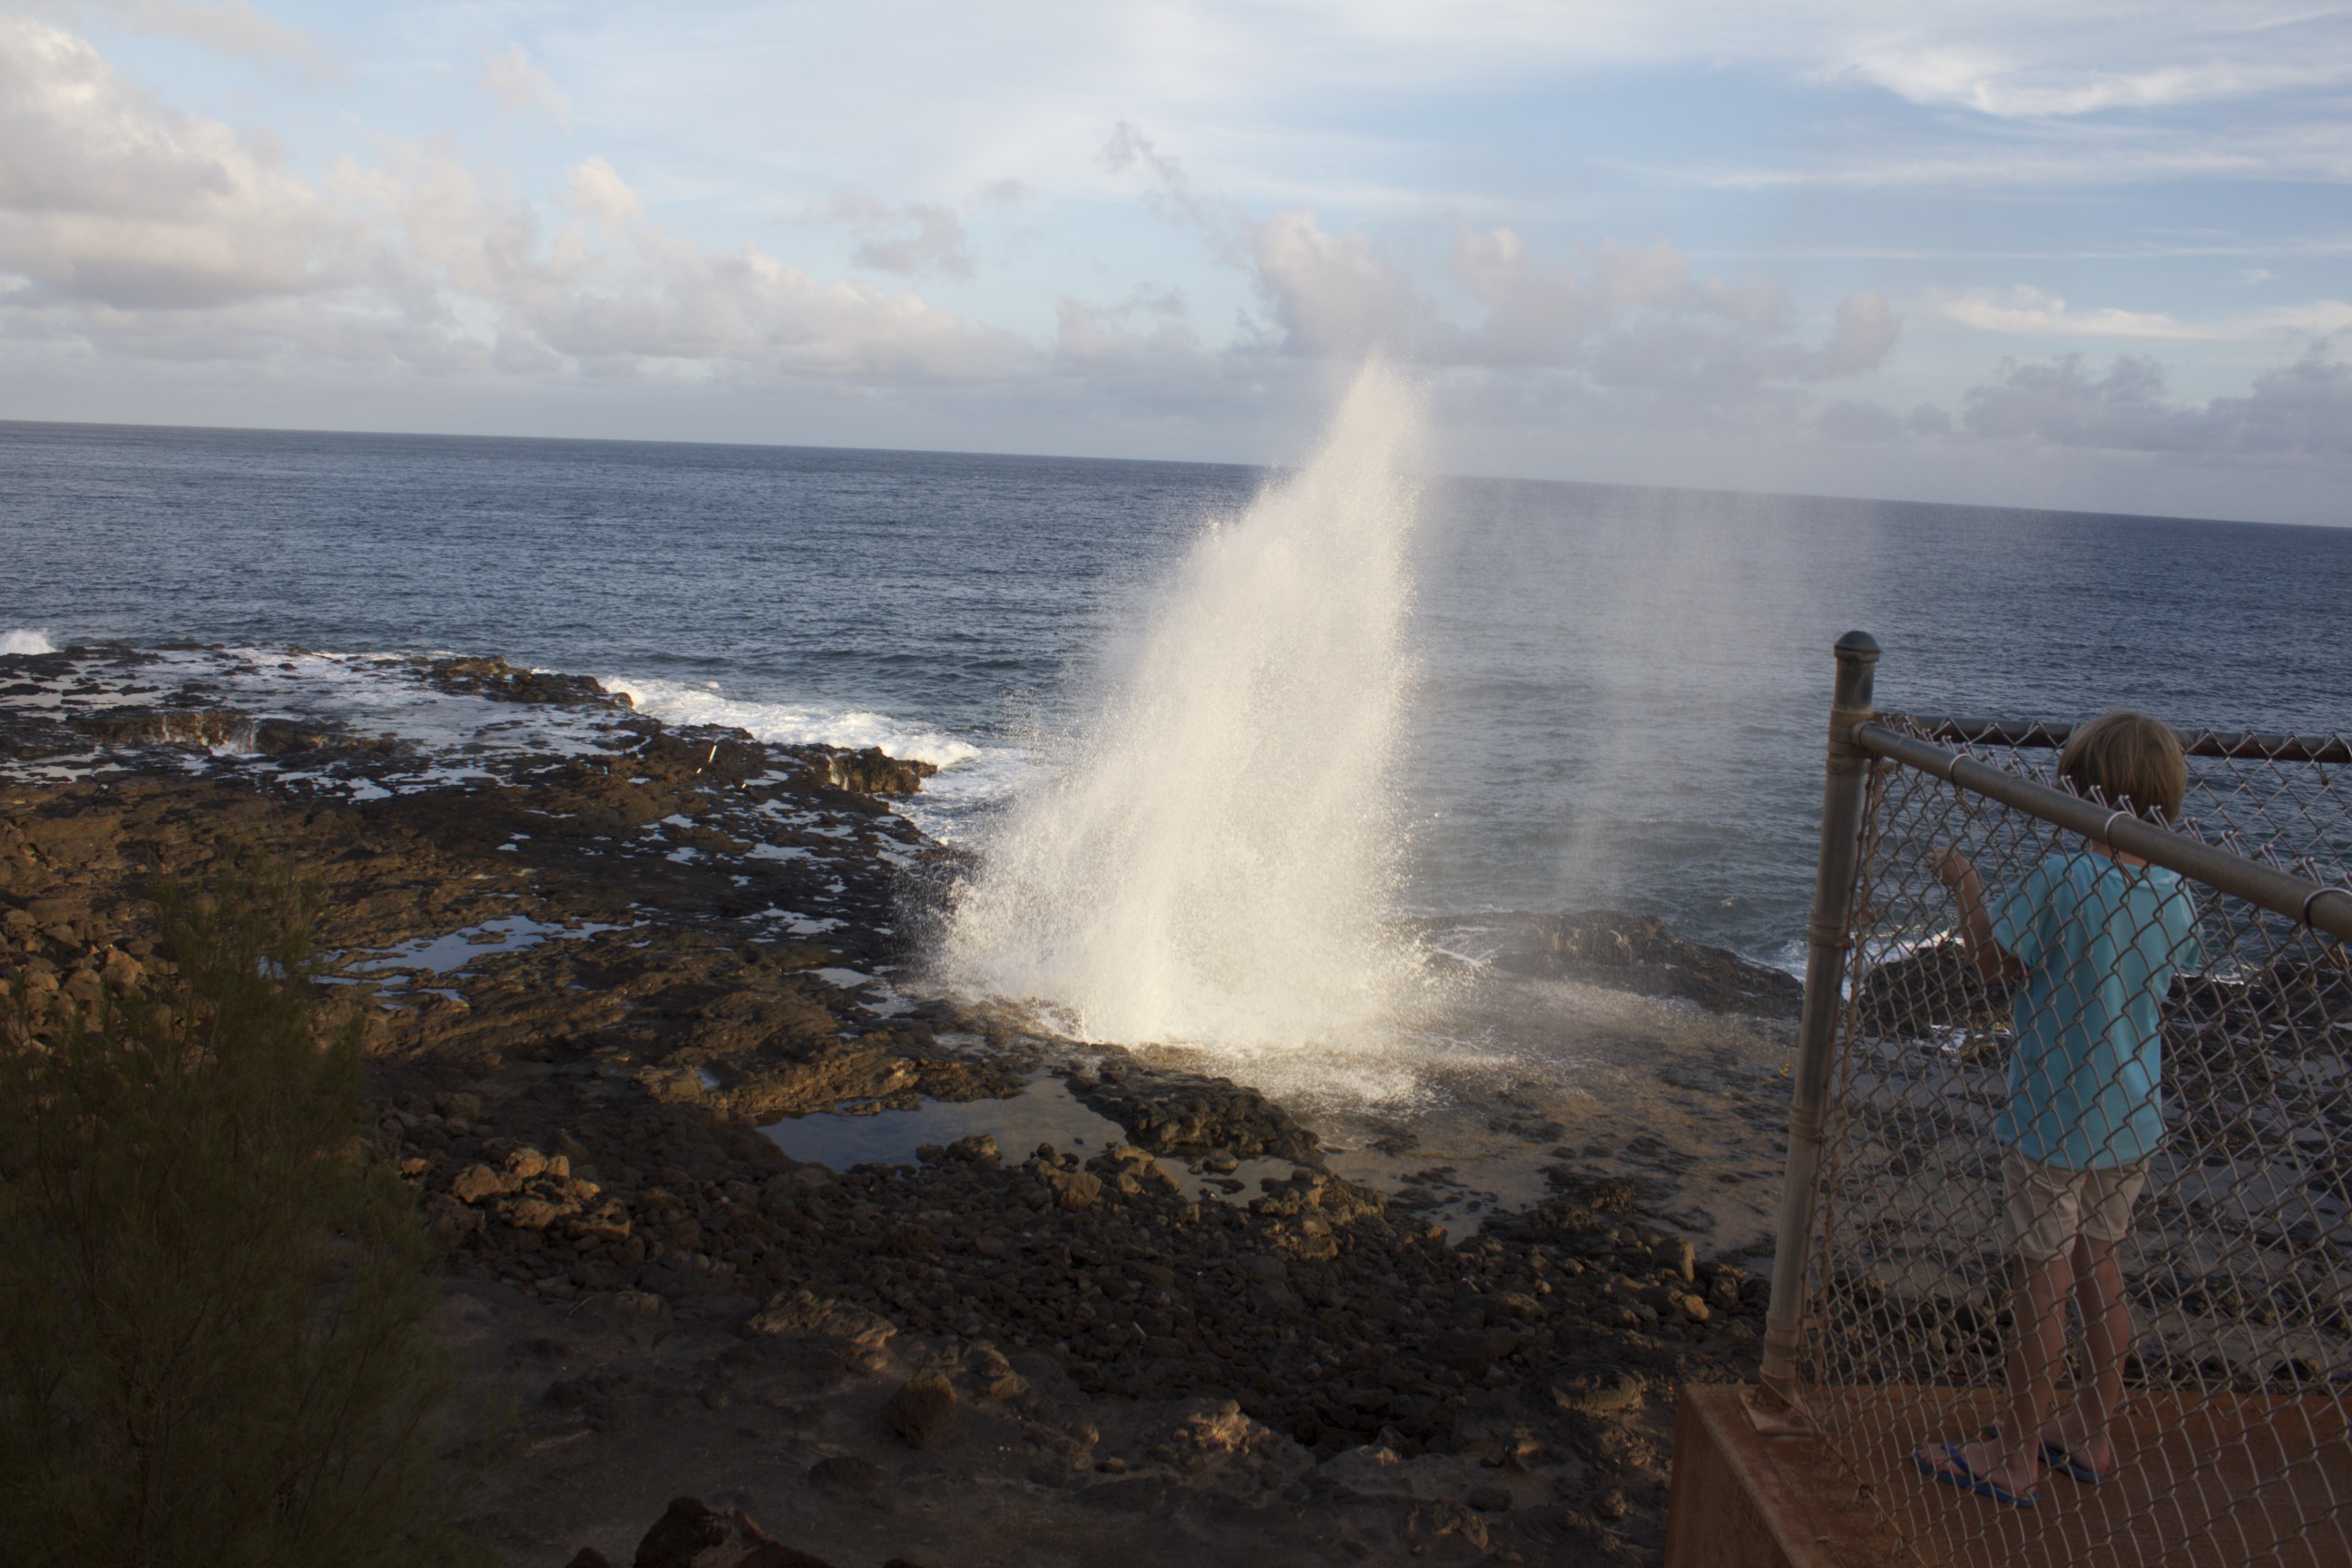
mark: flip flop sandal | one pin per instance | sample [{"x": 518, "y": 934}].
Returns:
[
  {"x": 1955, "y": 1472},
  {"x": 2059, "y": 1458}
]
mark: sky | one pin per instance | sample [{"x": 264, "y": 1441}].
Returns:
[{"x": 2092, "y": 256}]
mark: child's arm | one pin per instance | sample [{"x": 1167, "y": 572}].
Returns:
[{"x": 1959, "y": 873}]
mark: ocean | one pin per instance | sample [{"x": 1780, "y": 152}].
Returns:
[{"x": 1616, "y": 696}]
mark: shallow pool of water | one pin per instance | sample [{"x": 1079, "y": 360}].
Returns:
[
  {"x": 1045, "y": 1111},
  {"x": 444, "y": 954}
]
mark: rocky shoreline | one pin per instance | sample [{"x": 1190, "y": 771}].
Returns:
[{"x": 594, "y": 971}]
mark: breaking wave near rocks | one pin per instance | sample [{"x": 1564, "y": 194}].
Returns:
[
  {"x": 970, "y": 780},
  {"x": 1208, "y": 856}
]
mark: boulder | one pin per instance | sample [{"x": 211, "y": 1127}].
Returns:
[
  {"x": 680, "y": 1537},
  {"x": 1076, "y": 1191},
  {"x": 922, "y": 1410},
  {"x": 476, "y": 1183},
  {"x": 691, "y": 1534},
  {"x": 868, "y": 772}
]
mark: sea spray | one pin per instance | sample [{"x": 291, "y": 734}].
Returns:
[{"x": 1207, "y": 856}]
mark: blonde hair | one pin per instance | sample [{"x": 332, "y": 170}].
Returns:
[{"x": 2128, "y": 759}]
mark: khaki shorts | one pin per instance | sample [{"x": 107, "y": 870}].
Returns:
[{"x": 2044, "y": 1207}]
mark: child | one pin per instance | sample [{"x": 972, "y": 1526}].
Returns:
[{"x": 2096, "y": 936}]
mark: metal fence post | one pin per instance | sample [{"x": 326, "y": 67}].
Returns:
[{"x": 1827, "y": 939}]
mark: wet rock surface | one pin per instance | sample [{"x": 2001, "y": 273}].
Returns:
[
  {"x": 589, "y": 974},
  {"x": 1642, "y": 953},
  {"x": 1182, "y": 1113}
]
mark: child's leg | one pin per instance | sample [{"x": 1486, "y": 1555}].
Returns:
[
  {"x": 2037, "y": 1349},
  {"x": 2106, "y": 1316},
  {"x": 2012, "y": 1456},
  {"x": 2041, "y": 1218},
  {"x": 2106, "y": 1340}
]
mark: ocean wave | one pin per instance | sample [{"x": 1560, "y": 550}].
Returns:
[
  {"x": 973, "y": 780},
  {"x": 793, "y": 723},
  {"x": 25, "y": 639},
  {"x": 395, "y": 695}
]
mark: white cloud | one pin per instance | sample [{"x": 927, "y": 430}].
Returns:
[
  {"x": 230, "y": 27},
  {"x": 520, "y": 87},
  {"x": 2006, "y": 88},
  {"x": 1628, "y": 317},
  {"x": 1864, "y": 334},
  {"x": 2301, "y": 409},
  {"x": 595, "y": 188},
  {"x": 921, "y": 237},
  {"x": 144, "y": 232},
  {"x": 1335, "y": 294},
  {"x": 109, "y": 198},
  {"x": 2026, "y": 311},
  {"x": 1535, "y": 314}
]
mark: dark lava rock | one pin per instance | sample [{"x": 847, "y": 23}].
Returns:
[
  {"x": 503, "y": 682},
  {"x": 922, "y": 1409},
  {"x": 867, "y": 772},
  {"x": 165, "y": 727},
  {"x": 683, "y": 1532},
  {"x": 1642, "y": 953},
  {"x": 693, "y": 1535},
  {"x": 589, "y": 1557},
  {"x": 1930, "y": 988},
  {"x": 1187, "y": 1113},
  {"x": 1075, "y": 1190}
]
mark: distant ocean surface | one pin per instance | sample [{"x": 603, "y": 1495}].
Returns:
[{"x": 1620, "y": 694}]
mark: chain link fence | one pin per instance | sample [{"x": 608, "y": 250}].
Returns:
[{"x": 1949, "y": 1043}]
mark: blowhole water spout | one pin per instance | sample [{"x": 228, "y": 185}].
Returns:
[{"x": 1207, "y": 859}]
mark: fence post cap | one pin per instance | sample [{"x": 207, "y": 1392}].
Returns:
[{"x": 1857, "y": 645}]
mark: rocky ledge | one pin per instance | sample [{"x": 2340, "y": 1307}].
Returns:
[{"x": 592, "y": 977}]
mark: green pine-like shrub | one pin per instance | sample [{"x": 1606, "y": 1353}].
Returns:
[{"x": 214, "y": 1289}]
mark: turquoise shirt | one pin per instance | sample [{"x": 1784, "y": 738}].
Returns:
[{"x": 2100, "y": 943}]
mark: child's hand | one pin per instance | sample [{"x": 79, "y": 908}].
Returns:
[{"x": 1952, "y": 867}]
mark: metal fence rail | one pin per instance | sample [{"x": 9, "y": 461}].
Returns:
[{"x": 1898, "y": 1295}]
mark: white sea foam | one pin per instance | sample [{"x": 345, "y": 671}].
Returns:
[
  {"x": 25, "y": 639},
  {"x": 1208, "y": 857},
  {"x": 455, "y": 733},
  {"x": 791, "y": 723},
  {"x": 971, "y": 777}
]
